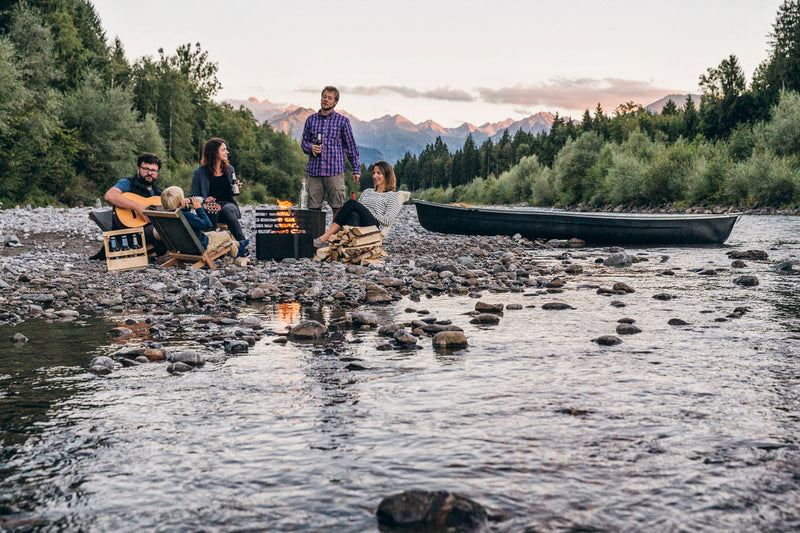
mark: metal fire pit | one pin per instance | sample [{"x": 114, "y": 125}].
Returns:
[{"x": 282, "y": 232}]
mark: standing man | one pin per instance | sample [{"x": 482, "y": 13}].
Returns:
[{"x": 327, "y": 137}]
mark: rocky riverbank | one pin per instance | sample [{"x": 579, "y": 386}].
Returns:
[{"x": 45, "y": 273}]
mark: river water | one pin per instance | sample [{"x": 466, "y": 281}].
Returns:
[{"x": 690, "y": 428}]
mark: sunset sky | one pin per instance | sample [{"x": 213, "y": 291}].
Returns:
[{"x": 453, "y": 62}]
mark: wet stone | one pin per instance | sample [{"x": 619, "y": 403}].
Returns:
[
  {"x": 119, "y": 332},
  {"x": 746, "y": 281},
  {"x": 624, "y": 287},
  {"x": 556, "y": 306},
  {"x": 404, "y": 337},
  {"x": 626, "y": 320},
  {"x": 364, "y": 318},
  {"x": 308, "y": 329},
  {"x": 450, "y": 339},
  {"x": 419, "y": 509},
  {"x": 663, "y": 296},
  {"x": 236, "y": 346},
  {"x": 738, "y": 264},
  {"x": 179, "y": 368},
  {"x": 677, "y": 322},
  {"x": 484, "y": 307},
  {"x": 188, "y": 357},
  {"x": 485, "y": 318},
  {"x": 607, "y": 340},
  {"x": 627, "y": 329},
  {"x": 617, "y": 303},
  {"x": 19, "y": 338}
]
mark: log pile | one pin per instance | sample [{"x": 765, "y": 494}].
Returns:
[{"x": 360, "y": 245}]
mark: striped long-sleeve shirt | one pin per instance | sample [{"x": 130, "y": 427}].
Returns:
[
  {"x": 385, "y": 206},
  {"x": 337, "y": 141}
]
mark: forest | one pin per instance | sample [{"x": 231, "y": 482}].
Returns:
[
  {"x": 75, "y": 112},
  {"x": 737, "y": 146}
]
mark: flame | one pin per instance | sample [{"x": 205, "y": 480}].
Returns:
[
  {"x": 288, "y": 313},
  {"x": 286, "y": 219}
]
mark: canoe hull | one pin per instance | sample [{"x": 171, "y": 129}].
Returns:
[{"x": 595, "y": 228}]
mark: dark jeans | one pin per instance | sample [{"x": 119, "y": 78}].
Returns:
[
  {"x": 227, "y": 215},
  {"x": 353, "y": 213}
]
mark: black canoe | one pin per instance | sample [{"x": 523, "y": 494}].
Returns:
[{"x": 595, "y": 228}]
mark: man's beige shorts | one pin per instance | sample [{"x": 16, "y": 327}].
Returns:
[{"x": 334, "y": 185}]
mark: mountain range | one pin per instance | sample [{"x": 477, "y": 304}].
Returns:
[{"x": 391, "y": 136}]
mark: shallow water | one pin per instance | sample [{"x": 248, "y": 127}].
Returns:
[{"x": 677, "y": 428}]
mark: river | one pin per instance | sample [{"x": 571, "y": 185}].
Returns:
[{"x": 678, "y": 428}]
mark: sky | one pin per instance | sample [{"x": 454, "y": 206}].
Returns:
[{"x": 452, "y": 62}]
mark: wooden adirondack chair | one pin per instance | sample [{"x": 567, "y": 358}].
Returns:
[{"x": 182, "y": 243}]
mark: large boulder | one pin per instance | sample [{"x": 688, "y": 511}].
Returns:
[{"x": 420, "y": 509}]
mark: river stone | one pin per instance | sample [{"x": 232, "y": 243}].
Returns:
[
  {"x": 391, "y": 282},
  {"x": 514, "y": 307},
  {"x": 236, "y": 346},
  {"x": 257, "y": 294},
  {"x": 556, "y": 306},
  {"x": 746, "y": 281},
  {"x": 102, "y": 361},
  {"x": 624, "y": 287},
  {"x": 377, "y": 296},
  {"x": 68, "y": 313},
  {"x": 404, "y": 337},
  {"x": 450, "y": 339},
  {"x": 485, "y": 318},
  {"x": 677, "y": 322},
  {"x": 19, "y": 338},
  {"x": 707, "y": 272},
  {"x": 755, "y": 255},
  {"x": 627, "y": 329},
  {"x": 364, "y": 318},
  {"x": 4, "y": 285},
  {"x": 484, "y": 307},
  {"x": 389, "y": 329},
  {"x": 179, "y": 368},
  {"x": 738, "y": 264},
  {"x": 251, "y": 322},
  {"x": 119, "y": 332},
  {"x": 626, "y": 320},
  {"x": 308, "y": 329},
  {"x": 607, "y": 340},
  {"x": 619, "y": 260},
  {"x": 663, "y": 296},
  {"x": 617, "y": 303},
  {"x": 154, "y": 354},
  {"x": 384, "y": 347},
  {"x": 573, "y": 269},
  {"x": 783, "y": 266},
  {"x": 188, "y": 357},
  {"x": 419, "y": 509},
  {"x": 575, "y": 242}
]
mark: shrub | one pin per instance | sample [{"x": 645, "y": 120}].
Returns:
[
  {"x": 765, "y": 178},
  {"x": 783, "y": 129},
  {"x": 571, "y": 169},
  {"x": 666, "y": 179}
]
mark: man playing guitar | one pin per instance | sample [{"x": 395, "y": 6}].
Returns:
[{"x": 142, "y": 184}]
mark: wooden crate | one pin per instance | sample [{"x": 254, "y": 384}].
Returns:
[{"x": 125, "y": 259}]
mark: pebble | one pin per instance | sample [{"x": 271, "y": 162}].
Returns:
[
  {"x": 485, "y": 318},
  {"x": 627, "y": 329}
]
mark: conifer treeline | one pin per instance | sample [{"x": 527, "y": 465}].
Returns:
[
  {"x": 75, "y": 112},
  {"x": 739, "y": 147}
]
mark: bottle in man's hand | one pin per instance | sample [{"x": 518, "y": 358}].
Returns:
[{"x": 318, "y": 142}]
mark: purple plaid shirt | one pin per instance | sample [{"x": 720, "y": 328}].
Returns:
[{"x": 337, "y": 140}]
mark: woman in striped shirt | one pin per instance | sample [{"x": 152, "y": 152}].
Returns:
[{"x": 375, "y": 207}]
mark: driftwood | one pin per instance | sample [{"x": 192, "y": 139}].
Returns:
[{"x": 360, "y": 245}]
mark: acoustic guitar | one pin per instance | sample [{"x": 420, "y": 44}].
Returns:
[{"x": 131, "y": 219}]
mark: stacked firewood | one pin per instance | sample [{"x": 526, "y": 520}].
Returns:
[{"x": 360, "y": 245}]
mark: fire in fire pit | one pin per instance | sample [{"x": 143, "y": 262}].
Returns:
[{"x": 283, "y": 231}]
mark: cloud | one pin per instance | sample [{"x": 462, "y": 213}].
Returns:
[
  {"x": 580, "y": 93},
  {"x": 441, "y": 93}
]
